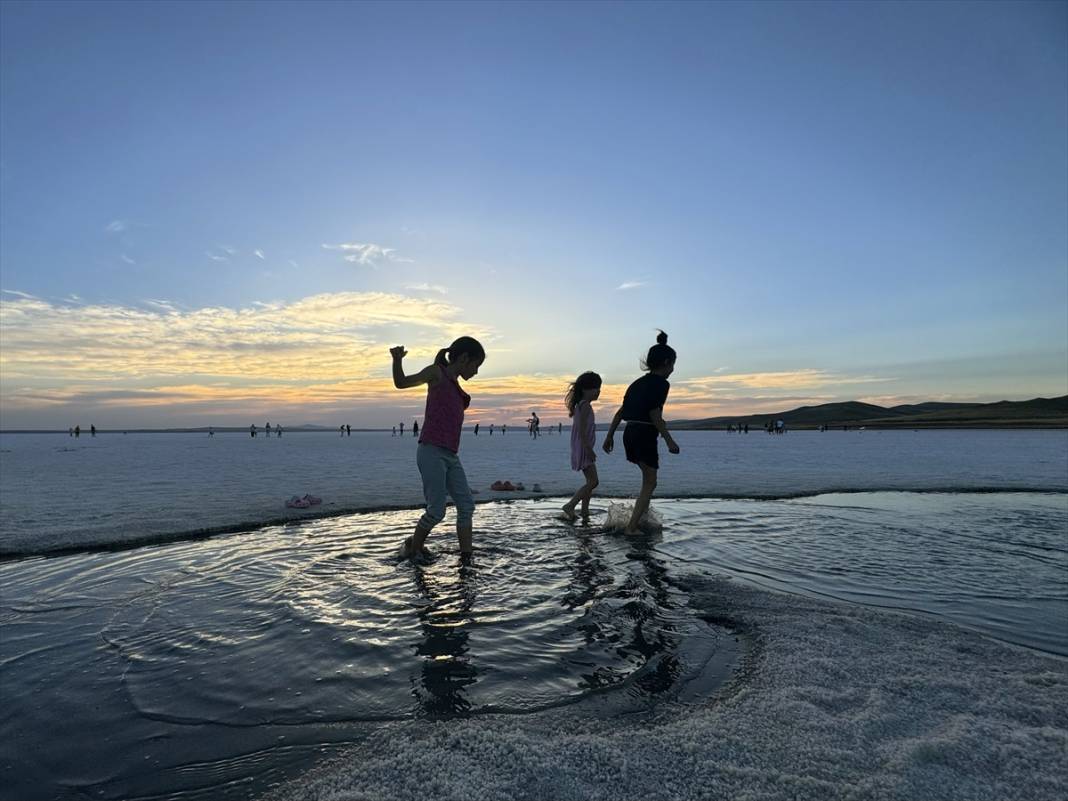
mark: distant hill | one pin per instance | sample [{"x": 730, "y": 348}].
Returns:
[{"x": 1036, "y": 413}]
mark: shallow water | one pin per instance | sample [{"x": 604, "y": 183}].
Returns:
[
  {"x": 994, "y": 562},
  {"x": 208, "y": 668},
  {"x": 192, "y": 661}
]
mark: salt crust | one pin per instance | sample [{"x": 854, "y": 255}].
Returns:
[{"x": 834, "y": 702}]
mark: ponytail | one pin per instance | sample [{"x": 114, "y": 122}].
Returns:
[
  {"x": 464, "y": 345},
  {"x": 659, "y": 354}
]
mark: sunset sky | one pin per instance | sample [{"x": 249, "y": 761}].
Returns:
[{"x": 227, "y": 213}]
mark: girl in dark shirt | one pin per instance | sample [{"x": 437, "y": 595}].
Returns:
[{"x": 643, "y": 409}]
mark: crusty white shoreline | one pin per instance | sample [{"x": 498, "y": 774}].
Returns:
[{"x": 836, "y": 702}]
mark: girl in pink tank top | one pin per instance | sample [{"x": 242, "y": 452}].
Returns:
[
  {"x": 583, "y": 391},
  {"x": 439, "y": 441}
]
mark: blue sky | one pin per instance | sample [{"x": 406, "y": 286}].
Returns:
[{"x": 225, "y": 212}]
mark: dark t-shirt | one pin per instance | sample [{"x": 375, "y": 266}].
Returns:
[{"x": 647, "y": 393}]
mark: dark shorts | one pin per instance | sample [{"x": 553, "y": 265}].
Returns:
[{"x": 639, "y": 441}]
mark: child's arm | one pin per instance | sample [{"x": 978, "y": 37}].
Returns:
[
  {"x": 608, "y": 443},
  {"x": 657, "y": 418},
  {"x": 428, "y": 375}
]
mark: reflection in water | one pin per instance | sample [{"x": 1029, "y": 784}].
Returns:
[
  {"x": 445, "y": 617},
  {"x": 637, "y": 616},
  {"x": 656, "y": 637},
  {"x": 589, "y": 572}
]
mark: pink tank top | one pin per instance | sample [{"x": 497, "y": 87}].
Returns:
[{"x": 444, "y": 416}]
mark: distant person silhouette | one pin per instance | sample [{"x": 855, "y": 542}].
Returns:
[
  {"x": 476, "y": 429},
  {"x": 402, "y": 429},
  {"x": 348, "y": 430},
  {"x": 394, "y": 431},
  {"x": 70, "y": 432},
  {"x": 491, "y": 429},
  {"x": 92, "y": 430},
  {"x": 267, "y": 428},
  {"x": 415, "y": 428},
  {"x": 278, "y": 430},
  {"x": 252, "y": 429},
  {"x": 211, "y": 431},
  {"x": 77, "y": 431},
  {"x": 504, "y": 429}
]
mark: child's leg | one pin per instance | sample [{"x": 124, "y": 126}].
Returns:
[
  {"x": 583, "y": 493},
  {"x": 456, "y": 481},
  {"x": 433, "y": 469},
  {"x": 569, "y": 507},
  {"x": 642, "y": 504},
  {"x": 591, "y": 484}
]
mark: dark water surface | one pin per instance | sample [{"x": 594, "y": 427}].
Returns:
[
  {"x": 209, "y": 669},
  {"x": 213, "y": 669}
]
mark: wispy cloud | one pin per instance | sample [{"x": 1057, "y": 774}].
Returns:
[
  {"x": 259, "y": 254},
  {"x": 215, "y": 256},
  {"x": 127, "y": 259},
  {"x": 367, "y": 253},
  {"x": 18, "y": 294},
  {"x": 117, "y": 226},
  {"x": 631, "y": 285},
  {"x": 424, "y": 287}
]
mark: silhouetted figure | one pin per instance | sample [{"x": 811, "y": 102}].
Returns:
[
  {"x": 747, "y": 428},
  {"x": 267, "y": 428},
  {"x": 402, "y": 429},
  {"x": 504, "y": 429},
  {"x": 394, "y": 431},
  {"x": 476, "y": 429},
  {"x": 491, "y": 429},
  {"x": 341, "y": 429},
  {"x": 252, "y": 429},
  {"x": 70, "y": 432},
  {"x": 211, "y": 431},
  {"x": 559, "y": 428},
  {"x": 92, "y": 430},
  {"x": 348, "y": 430},
  {"x": 77, "y": 431},
  {"x": 415, "y": 428},
  {"x": 278, "y": 430}
]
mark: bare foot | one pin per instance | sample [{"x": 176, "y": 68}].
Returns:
[
  {"x": 569, "y": 513},
  {"x": 406, "y": 552}
]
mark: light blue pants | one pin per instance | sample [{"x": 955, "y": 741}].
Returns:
[{"x": 442, "y": 473}]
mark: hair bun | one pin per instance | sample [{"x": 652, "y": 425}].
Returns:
[{"x": 661, "y": 338}]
